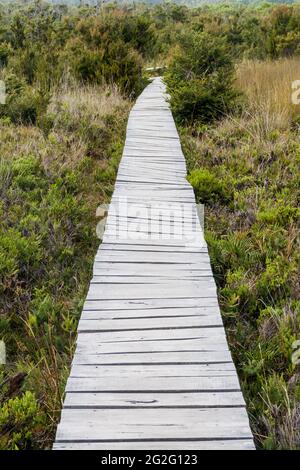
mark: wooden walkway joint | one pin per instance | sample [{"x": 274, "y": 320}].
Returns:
[{"x": 152, "y": 368}]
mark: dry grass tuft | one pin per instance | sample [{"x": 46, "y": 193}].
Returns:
[
  {"x": 268, "y": 88},
  {"x": 92, "y": 113},
  {"x": 97, "y": 101},
  {"x": 285, "y": 419}
]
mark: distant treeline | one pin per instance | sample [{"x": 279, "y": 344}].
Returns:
[{"x": 43, "y": 45}]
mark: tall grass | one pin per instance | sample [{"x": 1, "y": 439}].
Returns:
[
  {"x": 92, "y": 112},
  {"x": 94, "y": 100},
  {"x": 268, "y": 89}
]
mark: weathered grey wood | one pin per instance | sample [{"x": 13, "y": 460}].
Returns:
[
  {"x": 155, "y": 400},
  {"x": 216, "y": 334},
  {"x": 96, "y": 311},
  {"x": 149, "y": 304},
  {"x": 154, "y": 357},
  {"x": 119, "y": 323},
  {"x": 188, "y": 370},
  {"x": 168, "y": 345},
  {"x": 156, "y": 384},
  {"x": 229, "y": 444},
  {"x": 138, "y": 280},
  {"x": 109, "y": 424},
  {"x": 198, "y": 259},
  {"x": 152, "y": 368}
]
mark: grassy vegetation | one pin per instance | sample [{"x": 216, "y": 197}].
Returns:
[
  {"x": 71, "y": 75},
  {"x": 268, "y": 87},
  {"x": 245, "y": 169},
  {"x": 50, "y": 188}
]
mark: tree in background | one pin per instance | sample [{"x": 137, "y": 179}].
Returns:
[{"x": 200, "y": 78}]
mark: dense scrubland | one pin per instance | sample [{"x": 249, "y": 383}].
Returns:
[{"x": 71, "y": 75}]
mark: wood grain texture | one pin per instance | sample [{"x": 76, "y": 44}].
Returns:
[
  {"x": 152, "y": 368},
  {"x": 229, "y": 444}
]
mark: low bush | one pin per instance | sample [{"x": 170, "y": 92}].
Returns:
[
  {"x": 23, "y": 103},
  {"x": 208, "y": 188},
  {"x": 200, "y": 78},
  {"x": 20, "y": 418}
]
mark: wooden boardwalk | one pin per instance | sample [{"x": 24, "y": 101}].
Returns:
[{"x": 152, "y": 369}]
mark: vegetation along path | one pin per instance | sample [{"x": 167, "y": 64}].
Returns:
[{"x": 152, "y": 367}]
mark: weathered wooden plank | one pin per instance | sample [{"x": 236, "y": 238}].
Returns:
[
  {"x": 153, "y": 246},
  {"x": 119, "y": 277},
  {"x": 161, "y": 384},
  {"x": 149, "y": 304},
  {"x": 207, "y": 309},
  {"x": 163, "y": 314},
  {"x": 154, "y": 357},
  {"x": 216, "y": 334},
  {"x": 204, "y": 281},
  {"x": 169, "y": 225},
  {"x": 153, "y": 291},
  {"x": 136, "y": 280},
  {"x": 127, "y": 267},
  {"x": 142, "y": 229},
  {"x": 151, "y": 370},
  {"x": 125, "y": 207},
  {"x": 229, "y": 444},
  {"x": 159, "y": 245},
  {"x": 87, "y": 323},
  {"x": 168, "y": 345},
  {"x": 155, "y": 400},
  {"x": 146, "y": 423}
]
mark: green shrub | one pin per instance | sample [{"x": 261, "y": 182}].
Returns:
[
  {"x": 5, "y": 51},
  {"x": 200, "y": 78},
  {"x": 275, "y": 281},
  {"x": 279, "y": 214},
  {"x": 17, "y": 253},
  {"x": 238, "y": 294},
  {"x": 20, "y": 419},
  {"x": 28, "y": 173},
  {"x": 23, "y": 102},
  {"x": 208, "y": 188},
  {"x": 113, "y": 62}
]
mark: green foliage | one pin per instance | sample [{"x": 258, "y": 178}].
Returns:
[
  {"x": 208, "y": 188},
  {"x": 49, "y": 194},
  {"x": 20, "y": 417},
  {"x": 253, "y": 240},
  {"x": 4, "y": 54},
  {"x": 200, "y": 78},
  {"x": 23, "y": 102},
  {"x": 44, "y": 44},
  {"x": 115, "y": 62}
]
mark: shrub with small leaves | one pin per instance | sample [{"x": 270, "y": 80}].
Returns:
[
  {"x": 208, "y": 188},
  {"x": 21, "y": 419},
  {"x": 200, "y": 78}
]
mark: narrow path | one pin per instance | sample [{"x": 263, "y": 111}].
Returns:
[{"x": 152, "y": 369}]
